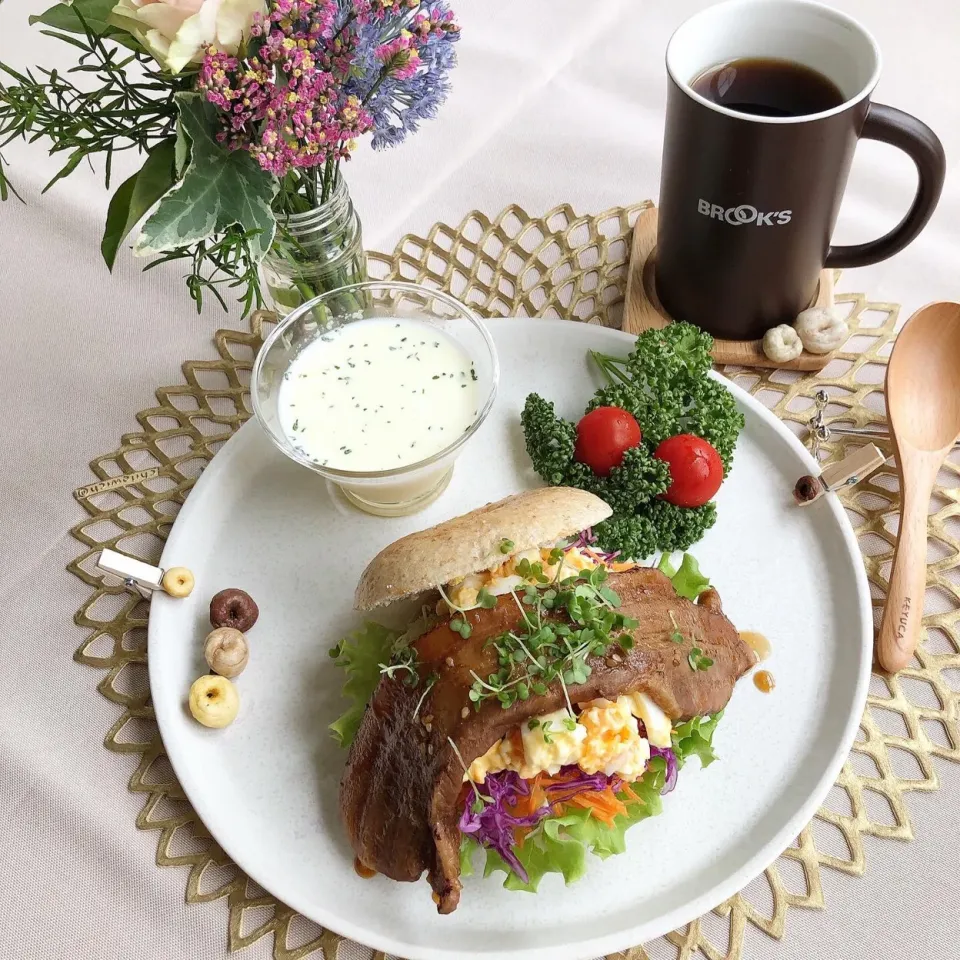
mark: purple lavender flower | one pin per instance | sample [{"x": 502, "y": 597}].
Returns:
[{"x": 397, "y": 104}]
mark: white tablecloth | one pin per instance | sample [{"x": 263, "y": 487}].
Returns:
[{"x": 554, "y": 101}]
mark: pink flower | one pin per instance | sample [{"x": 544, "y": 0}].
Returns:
[
  {"x": 399, "y": 56},
  {"x": 435, "y": 23},
  {"x": 285, "y": 105}
]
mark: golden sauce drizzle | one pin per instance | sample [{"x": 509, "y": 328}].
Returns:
[
  {"x": 757, "y": 642},
  {"x": 363, "y": 871},
  {"x": 763, "y": 681}
]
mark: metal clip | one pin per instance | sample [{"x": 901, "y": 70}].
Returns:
[
  {"x": 844, "y": 473},
  {"x": 136, "y": 575},
  {"x": 819, "y": 432}
]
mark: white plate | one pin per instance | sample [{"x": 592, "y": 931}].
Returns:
[{"x": 266, "y": 786}]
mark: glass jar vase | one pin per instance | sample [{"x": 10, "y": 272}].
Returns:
[{"x": 315, "y": 251}]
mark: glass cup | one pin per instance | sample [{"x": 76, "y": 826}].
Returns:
[{"x": 395, "y": 491}]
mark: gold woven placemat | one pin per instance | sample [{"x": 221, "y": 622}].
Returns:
[{"x": 567, "y": 266}]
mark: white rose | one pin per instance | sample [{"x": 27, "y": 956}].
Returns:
[{"x": 175, "y": 31}]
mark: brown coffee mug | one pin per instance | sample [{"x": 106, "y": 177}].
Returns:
[{"x": 748, "y": 202}]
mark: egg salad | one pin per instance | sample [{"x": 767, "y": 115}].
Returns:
[
  {"x": 604, "y": 738},
  {"x": 464, "y": 592}
]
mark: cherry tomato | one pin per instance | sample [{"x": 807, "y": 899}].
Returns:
[
  {"x": 696, "y": 470},
  {"x": 602, "y": 437}
]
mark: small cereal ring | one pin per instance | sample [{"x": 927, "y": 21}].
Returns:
[
  {"x": 226, "y": 652},
  {"x": 782, "y": 344},
  {"x": 178, "y": 582},
  {"x": 213, "y": 701},
  {"x": 234, "y": 608},
  {"x": 821, "y": 330}
]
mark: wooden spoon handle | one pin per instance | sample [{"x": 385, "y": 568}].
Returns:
[{"x": 902, "y": 616}]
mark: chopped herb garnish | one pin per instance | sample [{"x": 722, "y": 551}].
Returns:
[
  {"x": 296, "y": 425},
  {"x": 485, "y": 599},
  {"x": 506, "y": 546},
  {"x": 540, "y": 651},
  {"x": 431, "y": 683},
  {"x": 404, "y": 662},
  {"x": 698, "y": 661},
  {"x": 676, "y": 636},
  {"x": 460, "y": 625}
]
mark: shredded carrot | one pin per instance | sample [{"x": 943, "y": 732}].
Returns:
[
  {"x": 604, "y": 804},
  {"x": 612, "y": 565}
]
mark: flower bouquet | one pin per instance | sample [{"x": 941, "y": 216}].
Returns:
[{"x": 244, "y": 112}]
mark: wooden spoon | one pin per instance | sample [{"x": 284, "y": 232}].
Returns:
[{"x": 923, "y": 409}]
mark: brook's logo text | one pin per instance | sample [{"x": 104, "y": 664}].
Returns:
[{"x": 744, "y": 214}]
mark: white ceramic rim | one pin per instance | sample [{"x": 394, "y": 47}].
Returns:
[
  {"x": 734, "y": 7},
  {"x": 332, "y": 473},
  {"x": 621, "y": 940}
]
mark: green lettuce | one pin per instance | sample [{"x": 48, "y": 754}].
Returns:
[
  {"x": 687, "y": 580},
  {"x": 560, "y": 844},
  {"x": 695, "y": 738},
  {"x": 360, "y": 655}
]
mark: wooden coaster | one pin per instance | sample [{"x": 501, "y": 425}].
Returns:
[{"x": 642, "y": 309}]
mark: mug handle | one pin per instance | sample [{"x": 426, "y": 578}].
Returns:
[{"x": 921, "y": 144}]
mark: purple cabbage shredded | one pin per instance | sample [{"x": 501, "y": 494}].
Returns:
[
  {"x": 494, "y": 827},
  {"x": 672, "y": 768},
  {"x": 587, "y": 538},
  {"x": 582, "y": 783}
]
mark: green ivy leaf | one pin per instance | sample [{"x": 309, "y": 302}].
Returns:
[
  {"x": 182, "y": 151},
  {"x": 220, "y": 188},
  {"x": 135, "y": 196}
]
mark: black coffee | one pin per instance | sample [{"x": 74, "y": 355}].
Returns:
[{"x": 768, "y": 87}]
